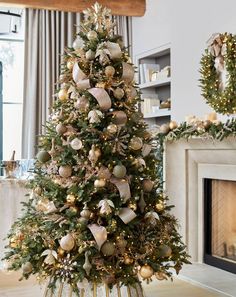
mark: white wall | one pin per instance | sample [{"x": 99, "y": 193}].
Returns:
[{"x": 186, "y": 24}]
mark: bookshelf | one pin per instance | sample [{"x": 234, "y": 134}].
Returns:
[{"x": 154, "y": 77}]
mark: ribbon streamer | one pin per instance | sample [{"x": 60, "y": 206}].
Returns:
[
  {"x": 146, "y": 149},
  {"x": 102, "y": 98},
  {"x": 99, "y": 234},
  {"x": 123, "y": 187},
  {"x": 80, "y": 78},
  {"x": 126, "y": 214},
  {"x": 128, "y": 72},
  {"x": 114, "y": 50}
]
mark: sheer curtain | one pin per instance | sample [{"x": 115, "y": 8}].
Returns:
[
  {"x": 46, "y": 35},
  {"x": 124, "y": 28}
]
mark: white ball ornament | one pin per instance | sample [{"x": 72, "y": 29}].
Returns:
[
  {"x": 67, "y": 242},
  {"x": 164, "y": 129},
  {"x": 65, "y": 171},
  {"x": 110, "y": 71},
  {"x": 92, "y": 35},
  {"x": 76, "y": 144},
  {"x": 136, "y": 143},
  {"x": 63, "y": 95},
  {"x": 99, "y": 183},
  {"x": 173, "y": 125},
  {"x": 119, "y": 171},
  {"x": 61, "y": 129},
  {"x": 90, "y": 55},
  {"x": 118, "y": 93},
  {"x": 27, "y": 268}
]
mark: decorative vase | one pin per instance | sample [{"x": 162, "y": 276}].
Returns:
[{"x": 95, "y": 290}]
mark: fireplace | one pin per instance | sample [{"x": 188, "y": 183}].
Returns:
[{"x": 220, "y": 223}]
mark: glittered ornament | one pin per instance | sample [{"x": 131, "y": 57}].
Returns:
[
  {"x": 94, "y": 154},
  {"x": 159, "y": 206},
  {"x": 76, "y": 144},
  {"x": 43, "y": 156},
  {"x": 164, "y": 128},
  {"x": 128, "y": 260},
  {"x": 112, "y": 128},
  {"x": 70, "y": 198},
  {"x": 104, "y": 173},
  {"x": 87, "y": 265},
  {"x": 60, "y": 129},
  {"x": 99, "y": 183},
  {"x": 136, "y": 143},
  {"x": 38, "y": 190},
  {"x": 63, "y": 95},
  {"x": 118, "y": 93},
  {"x": 206, "y": 124},
  {"x": 60, "y": 252},
  {"x": 108, "y": 248},
  {"x": 173, "y": 125},
  {"x": 121, "y": 242},
  {"x": 131, "y": 93},
  {"x": 95, "y": 116},
  {"x": 109, "y": 71},
  {"x": 27, "y": 268},
  {"x": 90, "y": 55},
  {"x": 119, "y": 171},
  {"x": 67, "y": 242},
  {"x": 65, "y": 171},
  {"x": 146, "y": 271},
  {"x": 147, "y": 185},
  {"x": 92, "y": 35},
  {"x": 82, "y": 223}
]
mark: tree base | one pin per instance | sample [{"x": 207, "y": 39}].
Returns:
[{"x": 94, "y": 290}]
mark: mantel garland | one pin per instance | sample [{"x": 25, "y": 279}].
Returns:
[
  {"x": 193, "y": 127},
  {"x": 218, "y": 73}
]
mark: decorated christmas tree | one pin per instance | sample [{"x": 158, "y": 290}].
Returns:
[{"x": 97, "y": 213}]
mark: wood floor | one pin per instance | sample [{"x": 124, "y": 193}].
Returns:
[{"x": 11, "y": 287}]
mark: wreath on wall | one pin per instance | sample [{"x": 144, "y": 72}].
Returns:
[{"x": 218, "y": 73}]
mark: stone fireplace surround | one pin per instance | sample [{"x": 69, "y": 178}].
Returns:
[{"x": 186, "y": 164}]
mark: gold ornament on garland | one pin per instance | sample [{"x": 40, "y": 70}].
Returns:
[
  {"x": 218, "y": 73},
  {"x": 146, "y": 271}
]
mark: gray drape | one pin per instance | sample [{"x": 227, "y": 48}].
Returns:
[
  {"x": 124, "y": 28},
  {"x": 46, "y": 35}
]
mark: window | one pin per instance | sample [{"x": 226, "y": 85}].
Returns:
[{"x": 11, "y": 96}]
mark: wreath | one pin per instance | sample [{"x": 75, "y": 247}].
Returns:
[{"x": 218, "y": 73}]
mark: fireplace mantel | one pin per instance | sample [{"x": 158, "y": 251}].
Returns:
[{"x": 186, "y": 163}]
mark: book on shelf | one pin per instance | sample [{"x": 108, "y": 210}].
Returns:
[
  {"x": 146, "y": 70},
  {"x": 150, "y": 103}
]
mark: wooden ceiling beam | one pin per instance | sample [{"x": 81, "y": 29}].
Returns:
[{"x": 118, "y": 7}]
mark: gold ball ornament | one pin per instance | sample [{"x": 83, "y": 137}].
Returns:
[
  {"x": 136, "y": 143},
  {"x": 38, "y": 190},
  {"x": 27, "y": 268},
  {"x": 118, "y": 93},
  {"x": 119, "y": 171},
  {"x": 206, "y": 124},
  {"x": 99, "y": 183},
  {"x": 76, "y": 144},
  {"x": 90, "y": 55},
  {"x": 164, "y": 129},
  {"x": 82, "y": 103},
  {"x": 65, "y": 171},
  {"x": 109, "y": 71},
  {"x": 160, "y": 206},
  {"x": 43, "y": 156},
  {"x": 70, "y": 64},
  {"x": 63, "y": 95},
  {"x": 70, "y": 198},
  {"x": 112, "y": 128},
  {"x": 85, "y": 213},
  {"x": 60, "y": 252},
  {"x": 121, "y": 243},
  {"x": 108, "y": 248},
  {"x": 67, "y": 242},
  {"x": 173, "y": 125},
  {"x": 148, "y": 185},
  {"x": 133, "y": 206},
  {"x": 60, "y": 129},
  {"x": 128, "y": 260},
  {"x": 146, "y": 271},
  {"x": 92, "y": 35}
]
